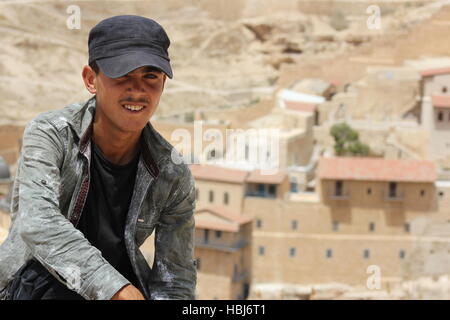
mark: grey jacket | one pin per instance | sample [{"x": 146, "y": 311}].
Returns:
[{"x": 49, "y": 192}]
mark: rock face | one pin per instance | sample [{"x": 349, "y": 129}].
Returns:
[
  {"x": 217, "y": 47},
  {"x": 426, "y": 288}
]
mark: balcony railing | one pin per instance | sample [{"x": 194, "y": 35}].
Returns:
[
  {"x": 222, "y": 246},
  {"x": 259, "y": 194}
]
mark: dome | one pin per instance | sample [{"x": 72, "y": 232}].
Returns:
[{"x": 4, "y": 170}]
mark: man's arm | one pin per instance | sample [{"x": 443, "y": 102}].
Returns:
[
  {"x": 129, "y": 292},
  {"x": 174, "y": 275},
  {"x": 50, "y": 236}
]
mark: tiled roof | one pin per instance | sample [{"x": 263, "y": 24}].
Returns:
[
  {"x": 300, "y": 106},
  {"x": 220, "y": 174},
  {"x": 434, "y": 72},
  {"x": 202, "y": 222},
  {"x": 219, "y": 218},
  {"x": 209, "y": 172},
  {"x": 402, "y": 170},
  {"x": 441, "y": 101},
  {"x": 256, "y": 177}
]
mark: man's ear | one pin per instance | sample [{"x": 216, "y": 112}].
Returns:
[{"x": 90, "y": 79}]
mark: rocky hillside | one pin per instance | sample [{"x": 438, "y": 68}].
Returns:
[{"x": 221, "y": 50}]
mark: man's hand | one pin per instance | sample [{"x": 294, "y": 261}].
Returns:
[{"x": 129, "y": 292}]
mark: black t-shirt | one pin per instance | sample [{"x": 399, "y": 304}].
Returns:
[
  {"x": 102, "y": 222},
  {"x": 105, "y": 211}
]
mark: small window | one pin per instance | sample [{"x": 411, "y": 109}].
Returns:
[
  {"x": 259, "y": 223},
  {"x": 262, "y": 251},
  {"x": 211, "y": 196},
  {"x": 369, "y": 191},
  {"x": 225, "y": 198},
  {"x": 197, "y": 263},
  {"x": 206, "y": 236},
  {"x": 422, "y": 193},
  {"x": 440, "y": 116},
  {"x": 329, "y": 253},
  {"x": 272, "y": 190},
  {"x": 444, "y": 89},
  {"x": 294, "y": 187},
  {"x": 197, "y": 192},
  {"x": 292, "y": 252},
  {"x": 441, "y": 194},
  {"x": 261, "y": 188},
  {"x": 338, "y": 188},
  {"x": 212, "y": 154},
  {"x": 294, "y": 184},
  {"x": 402, "y": 254},
  {"x": 392, "y": 189},
  {"x": 335, "y": 225},
  {"x": 218, "y": 234},
  {"x": 366, "y": 254},
  {"x": 294, "y": 224},
  {"x": 407, "y": 227},
  {"x": 372, "y": 226}
]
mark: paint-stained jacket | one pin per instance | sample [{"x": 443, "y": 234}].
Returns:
[{"x": 49, "y": 192}]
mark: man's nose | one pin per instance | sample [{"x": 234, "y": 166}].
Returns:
[{"x": 135, "y": 85}]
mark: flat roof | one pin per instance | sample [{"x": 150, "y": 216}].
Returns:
[
  {"x": 219, "y": 218},
  {"x": 300, "y": 106},
  {"x": 214, "y": 173},
  {"x": 221, "y": 174},
  {"x": 434, "y": 72}
]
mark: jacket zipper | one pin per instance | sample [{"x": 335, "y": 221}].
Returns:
[{"x": 81, "y": 198}]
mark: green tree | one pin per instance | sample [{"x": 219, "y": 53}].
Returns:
[
  {"x": 347, "y": 141},
  {"x": 358, "y": 148}
]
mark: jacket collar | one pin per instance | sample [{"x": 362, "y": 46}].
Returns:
[{"x": 154, "y": 148}]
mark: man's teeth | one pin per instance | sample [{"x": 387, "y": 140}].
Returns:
[{"x": 133, "y": 108}]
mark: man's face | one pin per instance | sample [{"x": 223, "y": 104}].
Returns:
[{"x": 127, "y": 103}]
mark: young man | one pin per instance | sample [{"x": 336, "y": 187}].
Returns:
[{"x": 94, "y": 181}]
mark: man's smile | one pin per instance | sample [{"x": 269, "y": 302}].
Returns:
[{"x": 133, "y": 107}]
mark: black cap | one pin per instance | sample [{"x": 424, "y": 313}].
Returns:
[{"x": 121, "y": 44}]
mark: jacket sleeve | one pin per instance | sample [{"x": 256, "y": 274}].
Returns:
[
  {"x": 48, "y": 234},
  {"x": 174, "y": 275}
]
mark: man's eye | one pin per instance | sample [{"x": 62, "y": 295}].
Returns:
[{"x": 151, "y": 76}]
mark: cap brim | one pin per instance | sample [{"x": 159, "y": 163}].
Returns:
[{"x": 118, "y": 66}]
